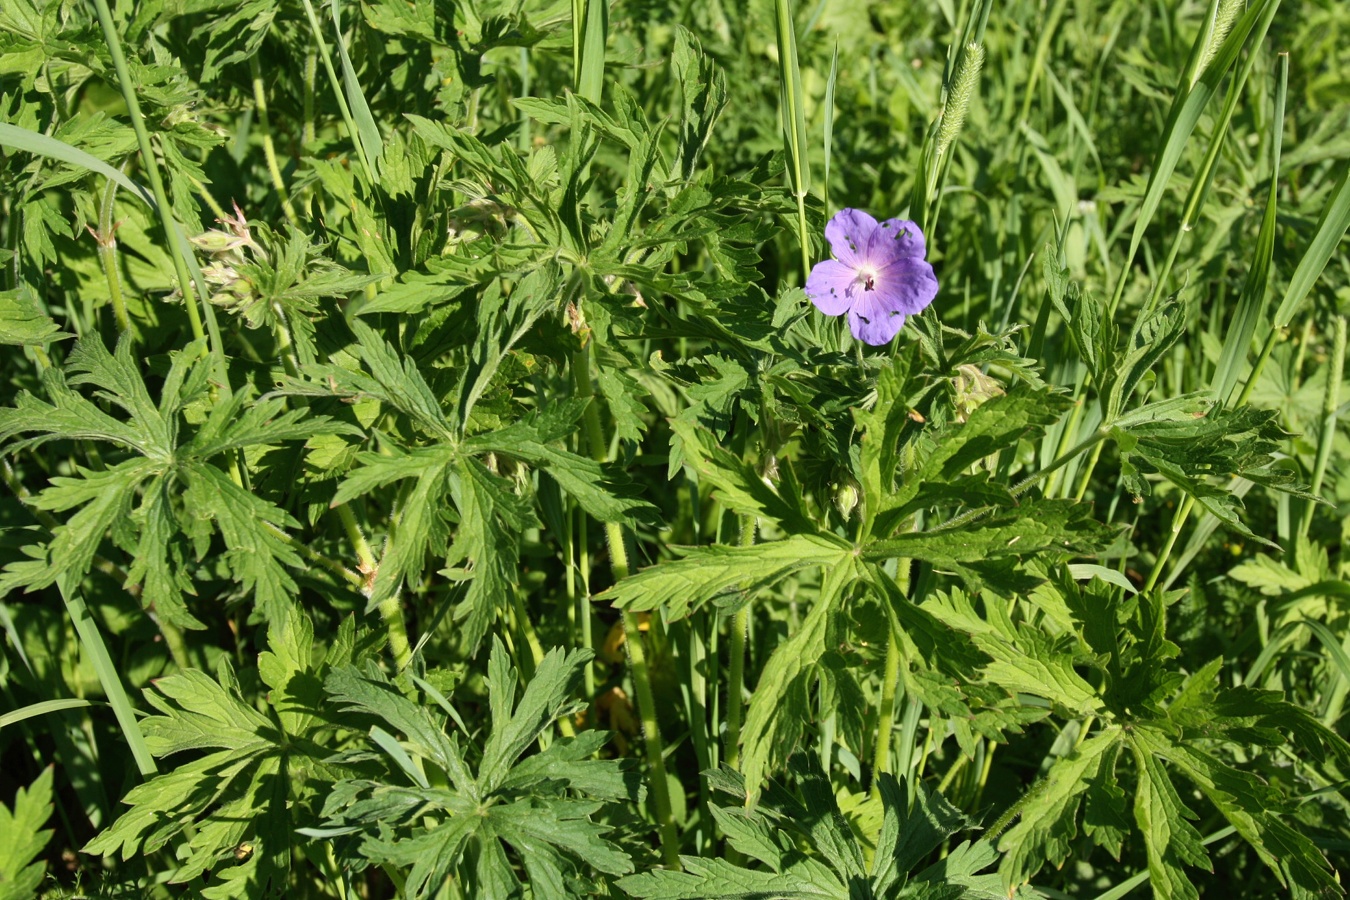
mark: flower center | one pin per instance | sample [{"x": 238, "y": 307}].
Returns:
[{"x": 867, "y": 277}]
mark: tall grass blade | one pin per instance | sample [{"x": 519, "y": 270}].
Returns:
[
  {"x": 1252, "y": 304},
  {"x": 1330, "y": 229},
  {"x": 52, "y": 148},
  {"x": 338, "y": 92},
  {"x": 151, "y": 164},
  {"x": 91, "y": 641},
  {"x": 1187, "y": 107},
  {"x": 367, "y": 132},
  {"x": 1331, "y": 401},
  {"x": 40, "y": 709},
  {"x": 595, "y": 32},
  {"x": 829, "y": 125}
]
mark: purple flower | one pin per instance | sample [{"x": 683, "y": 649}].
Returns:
[{"x": 878, "y": 275}]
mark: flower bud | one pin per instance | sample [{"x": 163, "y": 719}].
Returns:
[{"x": 846, "y": 496}]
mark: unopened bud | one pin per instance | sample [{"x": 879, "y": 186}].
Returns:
[{"x": 846, "y": 497}]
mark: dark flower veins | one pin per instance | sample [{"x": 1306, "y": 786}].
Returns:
[{"x": 878, "y": 276}]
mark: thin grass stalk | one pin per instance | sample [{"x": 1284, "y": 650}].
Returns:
[
  {"x": 1204, "y": 178},
  {"x": 1252, "y": 304},
  {"x": 1245, "y": 317},
  {"x": 590, "y": 85},
  {"x": 1331, "y": 400},
  {"x": 91, "y": 641},
  {"x": 1042, "y": 55},
  {"x": 1190, "y": 100},
  {"x": 151, "y": 164},
  {"x": 793, "y": 106},
  {"x": 269, "y": 150}
]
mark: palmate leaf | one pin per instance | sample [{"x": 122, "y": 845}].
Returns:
[
  {"x": 234, "y": 811},
  {"x": 780, "y": 706},
  {"x": 464, "y": 831},
  {"x": 23, "y": 323},
  {"x": 184, "y": 496},
  {"x": 1166, "y": 726},
  {"x": 809, "y": 850}
]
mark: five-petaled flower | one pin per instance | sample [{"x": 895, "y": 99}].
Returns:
[{"x": 878, "y": 275}]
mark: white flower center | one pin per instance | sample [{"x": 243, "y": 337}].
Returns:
[{"x": 867, "y": 277}]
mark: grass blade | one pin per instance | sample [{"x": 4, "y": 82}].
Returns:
[
  {"x": 594, "y": 33},
  {"x": 48, "y": 146},
  {"x": 91, "y": 641},
  {"x": 367, "y": 132},
  {"x": 1185, "y": 114},
  {"x": 829, "y": 124},
  {"x": 1330, "y": 229},
  {"x": 1252, "y": 304},
  {"x": 40, "y": 709}
]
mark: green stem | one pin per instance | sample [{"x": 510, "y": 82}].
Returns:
[
  {"x": 740, "y": 626},
  {"x": 307, "y": 132},
  {"x": 1086, "y": 479},
  {"x": 881, "y": 759},
  {"x": 365, "y": 557},
  {"x": 637, "y": 656},
  {"x": 124, "y": 81},
  {"x": 106, "y": 239},
  {"x": 269, "y": 151},
  {"x": 1178, "y": 522},
  {"x": 173, "y": 639}
]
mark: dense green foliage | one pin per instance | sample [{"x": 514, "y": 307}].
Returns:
[{"x": 426, "y": 476}]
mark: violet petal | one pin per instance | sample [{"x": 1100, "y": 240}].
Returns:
[
  {"x": 830, "y": 287},
  {"x": 906, "y": 285},
  {"x": 849, "y": 233},
  {"x": 896, "y": 239},
  {"x": 872, "y": 322}
]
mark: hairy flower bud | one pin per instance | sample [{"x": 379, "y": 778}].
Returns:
[{"x": 846, "y": 497}]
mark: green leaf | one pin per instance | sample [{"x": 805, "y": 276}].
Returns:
[
  {"x": 737, "y": 484},
  {"x": 20, "y": 874},
  {"x": 491, "y": 521},
  {"x": 23, "y": 322},
  {"x": 703, "y": 573},
  {"x": 233, "y": 811},
  {"x": 463, "y": 831},
  {"x": 1048, "y": 825},
  {"x": 1171, "y": 841},
  {"x": 48, "y": 146},
  {"x": 780, "y": 704}
]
